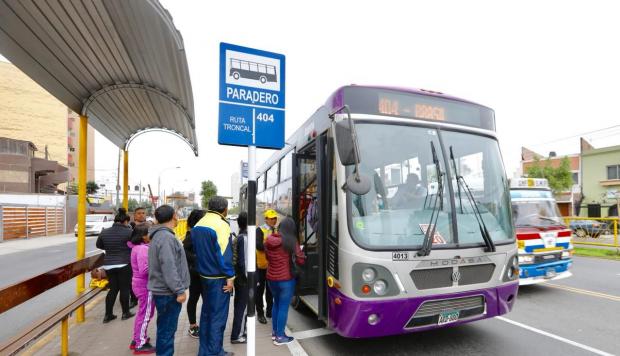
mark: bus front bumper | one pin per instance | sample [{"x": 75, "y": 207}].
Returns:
[
  {"x": 373, "y": 318},
  {"x": 538, "y": 273}
]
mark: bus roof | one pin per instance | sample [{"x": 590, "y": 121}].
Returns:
[{"x": 320, "y": 121}]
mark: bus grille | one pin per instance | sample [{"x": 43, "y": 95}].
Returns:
[
  {"x": 476, "y": 274},
  {"x": 432, "y": 278},
  {"x": 428, "y": 312}
]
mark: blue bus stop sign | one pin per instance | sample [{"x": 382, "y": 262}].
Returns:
[{"x": 252, "y": 101}]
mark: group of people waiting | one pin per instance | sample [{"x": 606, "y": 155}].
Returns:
[{"x": 211, "y": 263}]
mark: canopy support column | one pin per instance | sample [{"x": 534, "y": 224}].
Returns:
[
  {"x": 126, "y": 180},
  {"x": 81, "y": 209}
]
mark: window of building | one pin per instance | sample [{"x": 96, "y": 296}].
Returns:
[
  {"x": 613, "y": 172},
  {"x": 575, "y": 177}
]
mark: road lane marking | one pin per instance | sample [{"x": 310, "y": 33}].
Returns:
[
  {"x": 553, "y": 336},
  {"x": 584, "y": 291},
  {"x": 307, "y": 334},
  {"x": 295, "y": 347}
]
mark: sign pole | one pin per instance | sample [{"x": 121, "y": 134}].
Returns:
[{"x": 251, "y": 262}]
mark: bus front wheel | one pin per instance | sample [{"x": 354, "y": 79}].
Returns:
[
  {"x": 235, "y": 75},
  {"x": 263, "y": 79}
]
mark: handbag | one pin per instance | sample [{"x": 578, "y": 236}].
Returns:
[{"x": 98, "y": 273}]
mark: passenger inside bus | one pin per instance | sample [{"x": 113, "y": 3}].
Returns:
[{"x": 410, "y": 195}]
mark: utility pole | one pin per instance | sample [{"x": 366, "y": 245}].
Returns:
[{"x": 118, "y": 177}]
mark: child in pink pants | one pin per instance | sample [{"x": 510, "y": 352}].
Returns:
[{"x": 146, "y": 306}]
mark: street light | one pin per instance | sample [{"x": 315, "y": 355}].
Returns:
[{"x": 159, "y": 183}]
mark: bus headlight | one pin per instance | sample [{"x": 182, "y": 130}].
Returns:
[
  {"x": 380, "y": 287},
  {"x": 512, "y": 269},
  {"x": 567, "y": 254},
  {"x": 525, "y": 259},
  {"x": 369, "y": 275}
]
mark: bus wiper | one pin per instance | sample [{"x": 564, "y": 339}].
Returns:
[
  {"x": 483, "y": 228},
  {"x": 456, "y": 173},
  {"x": 427, "y": 244}
]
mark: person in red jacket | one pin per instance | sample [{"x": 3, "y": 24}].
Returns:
[{"x": 281, "y": 248}]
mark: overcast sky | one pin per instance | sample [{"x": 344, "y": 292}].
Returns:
[{"x": 550, "y": 69}]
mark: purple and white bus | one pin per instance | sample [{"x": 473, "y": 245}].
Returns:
[{"x": 403, "y": 209}]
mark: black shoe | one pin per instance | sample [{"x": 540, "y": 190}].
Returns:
[
  {"x": 127, "y": 315},
  {"x": 241, "y": 340},
  {"x": 194, "y": 331},
  {"x": 133, "y": 303},
  {"x": 269, "y": 314},
  {"x": 261, "y": 319},
  {"x": 108, "y": 318},
  {"x": 145, "y": 349}
]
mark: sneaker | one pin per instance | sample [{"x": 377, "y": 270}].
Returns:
[
  {"x": 240, "y": 340},
  {"x": 194, "y": 331},
  {"x": 261, "y": 319},
  {"x": 132, "y": 304},
  {"x": 283, "y": 340},
  {"x": 127, "y": 315},
  {"x": 144, "y": 349},
  {"x": 108, "y": 318},
  {"x": 132, "y": 344},
  {"x": 273, "y": 336}
]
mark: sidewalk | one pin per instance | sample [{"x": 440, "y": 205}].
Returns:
[
  {"x": 93, "y": 338},
  {"x": 19, "y": 245}
]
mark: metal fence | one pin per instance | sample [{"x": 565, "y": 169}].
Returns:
[
  {"x": 594, "y": 231},
  {"x": 30, "y": 221}
]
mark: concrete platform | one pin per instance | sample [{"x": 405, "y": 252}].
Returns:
[{"x": 94, "y": 338}]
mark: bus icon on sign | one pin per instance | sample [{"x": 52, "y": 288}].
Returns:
[{"x": 261, "y": 72}]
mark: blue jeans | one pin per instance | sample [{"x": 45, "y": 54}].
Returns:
[
  {"x": 213, "y": 317},
  {"x": 168, "y": 310},
  {"x": 282, "y": 294}
]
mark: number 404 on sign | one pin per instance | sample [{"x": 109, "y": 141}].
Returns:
[{"x": 264, "y": 117}]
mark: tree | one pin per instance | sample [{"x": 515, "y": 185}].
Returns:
[
  {"x": 91, "y": 187},
  {"x": 207, "y": 191},
  {"x": 560, "y": 179}
]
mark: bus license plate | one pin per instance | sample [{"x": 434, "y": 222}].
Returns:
[
  {"x": 550, "y": 273},
  {"x": 448, "y": 317}
]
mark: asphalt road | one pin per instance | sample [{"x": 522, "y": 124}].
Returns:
[
  {"x": 574, "y": 316},
  {"x": 15, "y": 267}
]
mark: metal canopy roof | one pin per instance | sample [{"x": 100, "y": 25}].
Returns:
[{"x": 122, "y": 63}]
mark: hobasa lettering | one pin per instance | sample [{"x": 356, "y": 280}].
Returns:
[{"x": 252, "y": 96}]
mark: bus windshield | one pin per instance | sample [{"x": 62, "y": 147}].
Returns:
[
  {"x": 396, "y": 212},
  {"x": 543, "y": 212}
]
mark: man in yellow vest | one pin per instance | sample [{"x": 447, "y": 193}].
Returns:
[{"x": 262, "y": 232}]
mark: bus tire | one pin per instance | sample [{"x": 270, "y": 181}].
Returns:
[
  {"x": 235, "y": 75},
  {"x": 263, "y": 79}
]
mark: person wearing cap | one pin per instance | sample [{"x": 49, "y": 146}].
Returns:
[
  {"x": 212, "y": 241},
  {"x": 262, "y": 232}
]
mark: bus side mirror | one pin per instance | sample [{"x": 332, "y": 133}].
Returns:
[
  {"x": 344, "y": 141},
  {"x": 347, "y": 151}
]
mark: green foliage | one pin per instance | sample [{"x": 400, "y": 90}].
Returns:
[
  {"x": 91, "y": 187},
  {"x": 560, "y": 179},
  {"x": 207, "y": 191}
]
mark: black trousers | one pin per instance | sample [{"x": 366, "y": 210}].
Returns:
[
  {"x": 240, "y": 318},
  {"x": 195, "y": 289},
  {"x": 119, "y": 281},
  {"x": 263, "y": 289}
]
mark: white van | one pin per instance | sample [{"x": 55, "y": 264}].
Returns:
[{"x": 95, "y": 223}]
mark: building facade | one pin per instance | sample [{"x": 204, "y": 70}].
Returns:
[
  {"x": 601, "y": 180},
  {"x": 29, "y": 113}
]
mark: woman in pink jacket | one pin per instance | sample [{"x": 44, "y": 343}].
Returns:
[{"x": 146, "y": 307}]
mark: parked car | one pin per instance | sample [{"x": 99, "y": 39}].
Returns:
[
  {"x": 95, "y": 223},
  {"x": 592, "y": 228}
]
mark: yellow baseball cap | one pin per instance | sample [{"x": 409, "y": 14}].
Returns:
[{"x": 270, "y": 214}]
